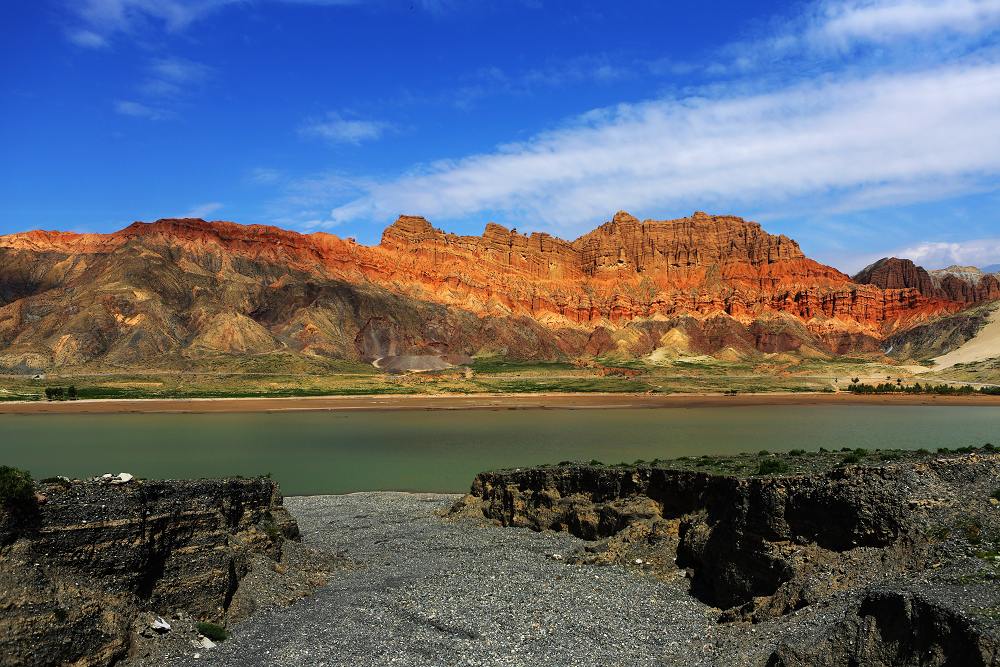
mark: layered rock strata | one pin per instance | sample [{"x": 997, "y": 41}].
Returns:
[
  {"x": 173, "y": 292},
  {"x": 77, "y": 570}
]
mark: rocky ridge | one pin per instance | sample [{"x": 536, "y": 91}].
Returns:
[{"x": 176, "y": 291}]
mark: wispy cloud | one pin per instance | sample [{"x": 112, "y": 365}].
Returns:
[
  {"x": 99, "y": 21},
  {"x": 168, "y": 82},
  {"x": 140, "y": 110},
  {"x": 338, "y": 128},
  {"x": 264, "y": 176},
  {"x": 203, "y": 210},
  {"x": 830, "y": 138},
  {"x": 87, "y": 39},
  {"x": 304, "y": 202},
  {"x": 173, "y": 76},
  {"x": 937, "y": 254}
]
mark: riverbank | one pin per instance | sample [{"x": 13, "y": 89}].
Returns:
[
  {"x": 478, "y": 402},
  {"x": 429, "y": 586}
]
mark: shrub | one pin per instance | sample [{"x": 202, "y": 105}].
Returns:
[
  {"x": 851, "y": 458},
  {"x": 595, "y": 462},
  {"x": 763, "y": 452},
  {"x": 797, "y": 452},
  {"x": 923, "y": 450},
  {"x": 995, "y": 494},
  {"x": 17, "y": 491},
  {"x": 215, "y": 632},
  {"x": 771, "y": 467},
  {"x": 270, "y": 529},
  {"x": 890, "y": 456}
]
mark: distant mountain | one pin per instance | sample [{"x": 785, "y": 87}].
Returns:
[
  {"x": 180, "y": 293},
  {"x": 961, "y": 284},
  {"x": 992, "y": 268}
]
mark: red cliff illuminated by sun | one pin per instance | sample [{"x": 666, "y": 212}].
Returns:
[{"x": 183, "y": 288}]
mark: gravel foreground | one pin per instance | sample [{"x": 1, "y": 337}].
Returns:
[{"x": 423, "y": 590}]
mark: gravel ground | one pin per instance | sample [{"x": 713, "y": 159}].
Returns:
[{"x": 428, "y": 591}]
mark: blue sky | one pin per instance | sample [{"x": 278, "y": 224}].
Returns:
[{"x": 860, "y": 128}]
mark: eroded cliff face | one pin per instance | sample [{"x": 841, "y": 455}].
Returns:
[
  {"x": 966, "y": 285},
  {"x": 176, "y": 290},
  {"x": 897, "y": 555},
  {"x": 77, "y": 569}
]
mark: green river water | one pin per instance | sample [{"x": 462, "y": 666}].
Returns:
[{"x": 337, "y": 452}]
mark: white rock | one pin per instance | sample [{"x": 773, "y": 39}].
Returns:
[
  {"x": 638, "y": 561},
  {"x": 160, "y": 625},
  {"x": 207, "y": 643},
  {"x": 197, "y": 656},
  {"x": 122, "y": 478},
  {"x": 556, "y": 557}
]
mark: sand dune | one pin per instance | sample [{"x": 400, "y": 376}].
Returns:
[{"x": 985, "y": 345}]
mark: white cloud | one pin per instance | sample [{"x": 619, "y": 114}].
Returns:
[
  {"x": 140, "y": 110},
  {"x": 834, "y": 137},
  {"x": 335, "y": 128},
  {"x": 937, "y": 254},
  {"x": 203, "y": 210},
  {"x": 87, "y": 39},
  {"x": 884, "y": 20}
]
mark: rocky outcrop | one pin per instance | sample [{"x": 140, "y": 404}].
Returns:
[
  {"x": 960, "y": 284},
  {"x": 895, "y": 273},
  {"x": 77, "y": 569},
  {"x": 755, "y": 545},
  {"x": 176, "y": 291},
  {"x": 894, "y": 628}
]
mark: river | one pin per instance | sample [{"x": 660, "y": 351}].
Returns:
[{"x": 438, "y": 450}]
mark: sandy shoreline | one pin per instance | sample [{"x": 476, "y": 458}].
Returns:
[{"x": 475, "y": 402}]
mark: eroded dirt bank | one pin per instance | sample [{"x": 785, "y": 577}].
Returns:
[{"x": 892, "y": 564}]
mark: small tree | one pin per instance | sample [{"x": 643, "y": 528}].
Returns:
[
  {"x": 71, "y": 392},
  {"x": 49, "y": 393}
]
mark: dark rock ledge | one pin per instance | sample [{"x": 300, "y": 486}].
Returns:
[
  {"x": 85, "y": 566},
  {"x": 905, "y": 554}
]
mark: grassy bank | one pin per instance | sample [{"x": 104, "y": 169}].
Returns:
[{"x": 247, "y": 378}]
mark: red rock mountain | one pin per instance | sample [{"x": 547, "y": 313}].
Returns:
[
  {"x": 966, "y": 285},
  {"x": 174, "y": 292}
]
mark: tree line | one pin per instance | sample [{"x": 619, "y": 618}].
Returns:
[
  {"x": 60, "y": 394},
  {"x": 917, "y": 388}
]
